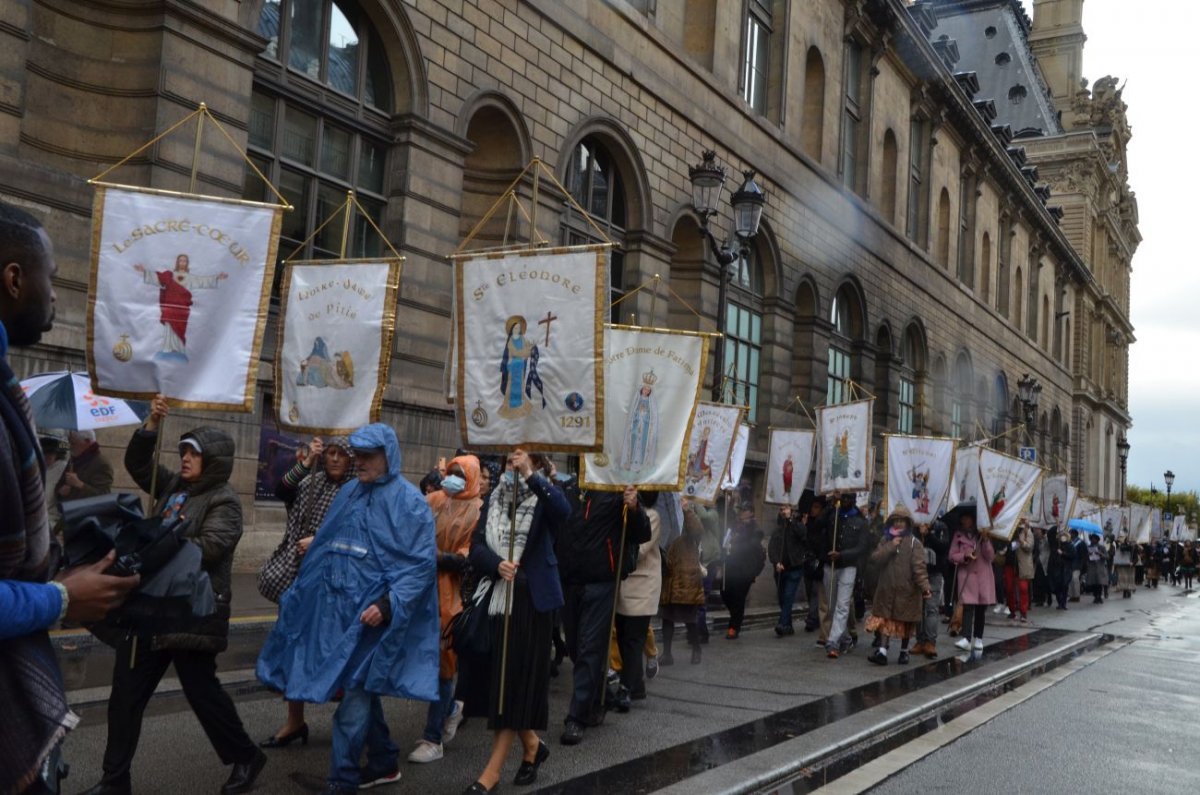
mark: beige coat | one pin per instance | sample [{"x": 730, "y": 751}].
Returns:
[
  {"x": 1024, "y": 539},
  {"x": 640, "y": 590}
]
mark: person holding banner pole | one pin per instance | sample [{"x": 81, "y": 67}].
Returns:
[
  {"x": 592, "y": 560},
  {"x": 845, "y": 547},
  {"x": 200, "y": 494},
  {"x": 514, "y": 554}
]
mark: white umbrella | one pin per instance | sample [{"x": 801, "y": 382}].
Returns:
[{"x": 65, "y": 400}]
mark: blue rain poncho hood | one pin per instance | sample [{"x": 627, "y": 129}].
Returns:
[{"x": 377, "y": 539}]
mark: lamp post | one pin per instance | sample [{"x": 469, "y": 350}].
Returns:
[
  {"x": 1169, "y": 477},
  {"x": 1029, "y": 391},
  {"x": 708, "y": 182},
  {"x": 1123, "y": 454}
]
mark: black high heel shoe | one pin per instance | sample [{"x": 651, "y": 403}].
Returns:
[
  {"x": 300, "y": 734},
  {"x": 527, "y": 773},
  {"x": 479, "y": 789}
]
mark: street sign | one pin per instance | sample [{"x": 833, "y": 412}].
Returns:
[{"x": 1028, "y": 454}]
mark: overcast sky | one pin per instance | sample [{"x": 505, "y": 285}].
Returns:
[{"x": 1131, "y": 42}]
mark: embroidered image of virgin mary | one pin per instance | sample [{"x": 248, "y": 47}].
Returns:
[
  {"x": 640, "y": 440},
  {"x": 518, "y": 371},
  {"x": 322, "y": 369}
]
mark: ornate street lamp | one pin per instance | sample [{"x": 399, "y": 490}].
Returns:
[
  {"x": 1123, "y": 454},
  {"x": 1169, "y": 477},
  {"x": 708, "y": 183},
  {"x": 1029, "y": 391}
]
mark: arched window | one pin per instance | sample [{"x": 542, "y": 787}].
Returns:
[
  {"x": 1000, "y": 411},
  {"x": 595, "y": 182},
  {"x": 943, "y": 229},
  {"x": 1019, "y": 292},
  {"x": 985, "y": 269},
  {"x": 912, "y": 368},
  {"x": 812, "y": 131},
  {"x": 960, "y": 413},
  {"x": 887, "y": 177},
  {"x": 1046, "y": 322},
  {"x": 845, "y": 315},
  {"x": 328, "y": 50},
  {"x": 743, "y": 332}
]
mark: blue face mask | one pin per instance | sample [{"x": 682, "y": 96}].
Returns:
[
  {"x": 453, "y": 484},
  {"x": 508, "y": 477}
]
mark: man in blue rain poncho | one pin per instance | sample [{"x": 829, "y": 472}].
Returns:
[{"x": 362, "y": 614}]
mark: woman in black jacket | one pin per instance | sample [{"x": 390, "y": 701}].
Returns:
[
  {"x": 200, "y": 495},
  {"x": 519, "y": 575}
]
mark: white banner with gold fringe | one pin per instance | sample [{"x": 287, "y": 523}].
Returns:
[
  {"x": 653, "y": 380},
  {"x": 1008, "y": 485},
  {"x": 178, "y": 294},
  {"x": 530, "y": 343},
  {"x": 714, "y": 430},
  {"x": 789, "y": 463},
  {"x": 844, "y": 455},
  {"x": 335, "y": 345},
  {"x": 919, "y": 470}
]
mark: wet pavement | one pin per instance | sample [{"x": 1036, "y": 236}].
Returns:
[
  {"x": 747, "y": 695},
  {"x": 1126, "y": 723}
]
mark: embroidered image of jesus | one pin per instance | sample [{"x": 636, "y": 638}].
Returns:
[{"x": 175, "y": 303}]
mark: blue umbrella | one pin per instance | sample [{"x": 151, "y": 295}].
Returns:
[{"x": 1084, "y": 526}]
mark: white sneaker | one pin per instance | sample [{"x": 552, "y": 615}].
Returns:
[
  {"x": 978, "y": 645},
  {"x": 964, "y": 644},
  {"x": 450, "y": 727},
  {"x": 998, "y": 609},
  {"x": 425, "y": 752},
  {"x": 379, "y": 781}
]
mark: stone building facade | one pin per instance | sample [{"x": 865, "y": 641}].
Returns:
[{"x": 909, "y": 243}]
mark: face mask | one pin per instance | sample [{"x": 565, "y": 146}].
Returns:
[
  {"x": 453, "y": 484},
  {"x": 508, "y": 477}
]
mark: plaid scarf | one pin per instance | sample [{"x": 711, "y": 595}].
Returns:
[
  {"x": 499, "y": 532},
  {"x": 31, "y": 686}
]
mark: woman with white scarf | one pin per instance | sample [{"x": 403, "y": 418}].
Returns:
[{"x": 518, "y": 574}]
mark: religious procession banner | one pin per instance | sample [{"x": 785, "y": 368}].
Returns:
[
  {"x": 1111, "y": 519},
  {"x": 178, "y": 294},
  {"x": 1054, "y": 501},
  {"x": 966, "y": 483},
  {"x": 1072, "y": 497},
  {"x": 714, "y": 429},
  {"x": 1156, "y": 523},
  {"x": 1140, "y": 523},
  {"x": 530, "y": 349},
  {"x": 844, "y": 447},
  {"x": 1086, "y": 509},
  {"x": 919, "y": 470},
  {"x": 789, "y": 462},
  {"x": 737, "y": 459},
  {"x": 1180, "y": 530},
  {"x": 331, "y": 363},
  {"x": 653, "y": 380},
  {"x": 1007, "y": 485}
]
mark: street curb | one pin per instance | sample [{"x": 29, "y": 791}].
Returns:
[
  {"x": 242, "y": 682},
  {"x": 810, "y": 761}
]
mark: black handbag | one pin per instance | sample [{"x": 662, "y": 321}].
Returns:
[{"x": 468, "y": 632}]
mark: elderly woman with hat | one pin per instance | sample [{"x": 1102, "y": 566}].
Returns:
[{"x": 903, "y": 584}]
